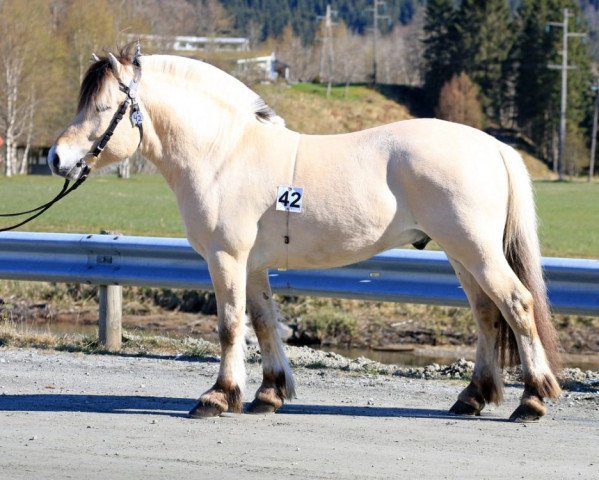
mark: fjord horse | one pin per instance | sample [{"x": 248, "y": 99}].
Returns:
[{"x": 255, "y": 195}]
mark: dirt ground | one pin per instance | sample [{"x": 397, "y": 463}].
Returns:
[{"x": 65, "y": 415}]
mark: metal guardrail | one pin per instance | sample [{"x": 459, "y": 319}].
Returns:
[{"x": 396, "y": 275}]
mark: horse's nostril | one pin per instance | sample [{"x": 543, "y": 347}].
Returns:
[{"x": 55, "y": 161}]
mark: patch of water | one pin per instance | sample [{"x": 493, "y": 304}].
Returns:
[
  {"x": 421, "y": 356},
  {"x": 417, "y": 356}
]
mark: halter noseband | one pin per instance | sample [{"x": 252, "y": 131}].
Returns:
[{"x": 136, "y": 120}]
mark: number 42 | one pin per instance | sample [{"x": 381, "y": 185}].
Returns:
[{"x": 289, "y": 199}]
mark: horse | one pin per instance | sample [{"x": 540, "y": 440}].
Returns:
[{"x": 255, "y": 195}]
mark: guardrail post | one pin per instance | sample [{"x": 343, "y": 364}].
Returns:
[{"x": 111, "y": 314}]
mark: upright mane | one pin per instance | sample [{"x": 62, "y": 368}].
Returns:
[
  {"x": 96, "y": 76},
  {"x": 220, "y": 84}
]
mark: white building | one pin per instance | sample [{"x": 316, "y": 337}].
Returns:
[{"x": 184, "y": 43}]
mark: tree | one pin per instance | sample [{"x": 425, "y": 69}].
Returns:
[
  {"x": 458, "y": 102},
  {"x": 440, "y": 41},
  {"x": 351, "y": 61},
  {"x": 24, "y": 39},
  {"x": 537, "y": 89},
  {"x": 88, "y": 30},
  {"x": 163, "y": 17},
  {"x": 401, "y": 53},
  {"x": 212, "y": 18},
  {"x": 485, "y": 41},
  {"x": 290, "y": 49}
]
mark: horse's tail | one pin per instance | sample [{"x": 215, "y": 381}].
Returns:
[{"x": 522, "y": 251}]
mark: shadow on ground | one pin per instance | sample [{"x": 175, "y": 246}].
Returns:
[{"x": 178, "y": 407}]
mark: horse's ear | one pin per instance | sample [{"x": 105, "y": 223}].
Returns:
[{"x": 116, "y": 66}]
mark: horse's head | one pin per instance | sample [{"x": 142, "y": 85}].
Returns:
[{"x": 102, "y": 96}]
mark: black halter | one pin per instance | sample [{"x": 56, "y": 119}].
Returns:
[
  {"x": 135, "y": 116},
  {"x": 136, "y": 120}
]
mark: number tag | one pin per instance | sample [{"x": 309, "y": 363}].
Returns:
[{"x": 289, "y": 199}]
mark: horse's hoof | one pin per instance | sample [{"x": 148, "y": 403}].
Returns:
[
  {"x": 259, "y": 406},
  {"x": 205, "y": 410},
  {"x": 525, "y": 414},
  {"x": 463, "y": 408}
]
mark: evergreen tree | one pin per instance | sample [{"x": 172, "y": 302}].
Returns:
[
  {"x": 538, "y": 89},
  {"x": 484, "y": 43},
  {"x": 303, "y": 15},
  {"x": 440, "y": 51},
  {"x": 535, "y": 83}
]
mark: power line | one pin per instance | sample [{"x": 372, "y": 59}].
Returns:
[
  {"x": 327, "y": 57},
  {"x": 376, "y": 18}
]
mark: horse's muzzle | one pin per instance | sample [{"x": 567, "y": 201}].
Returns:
[{"x": 58, "y": 167}]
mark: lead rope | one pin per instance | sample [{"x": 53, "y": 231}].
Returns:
[{"x": 42, "y": 208}]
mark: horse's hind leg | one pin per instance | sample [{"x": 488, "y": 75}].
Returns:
[
  {"x": 228, "y": 276},
  {"x": 492, "y": 272},
  {"x": 277, "y": 382},
  {"x": 486, "y": 384}
]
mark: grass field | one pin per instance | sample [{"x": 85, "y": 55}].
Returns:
[
  {"x": 143, "y": 205},
  {"x": 306, "y": 109}
]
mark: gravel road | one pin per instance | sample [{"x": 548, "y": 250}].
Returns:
[{"x": 72, "y": 415}]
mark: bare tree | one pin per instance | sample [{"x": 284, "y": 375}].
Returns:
[
  {"x": 88, "y": 30},
  {"x": 401, "y": 53},
  {"x": 162, "y": 17},
  {"x": 212, "y": 18},
  {"x": 29, "y": 128},
  {"x": 301, "y": 59},
  {"x": 353, "y": 60},
  {"x": 23, "y": 37}
]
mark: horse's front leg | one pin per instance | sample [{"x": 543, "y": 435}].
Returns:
[
  {"x": 277, "y": 381},
  {"x": 229, "y": 278}
]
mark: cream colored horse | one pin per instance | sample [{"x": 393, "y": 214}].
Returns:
[{"x": 225, "y": 154}]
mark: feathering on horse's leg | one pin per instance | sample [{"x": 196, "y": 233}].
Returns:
[
  {"x": 517, "y": 306},
  {"x": 486, "y": 385},
  {"x": 229, "y": 278},
  {"x": 277, "y": 384}
]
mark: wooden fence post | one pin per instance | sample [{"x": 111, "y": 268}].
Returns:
[{"x": 111, "y": 314}]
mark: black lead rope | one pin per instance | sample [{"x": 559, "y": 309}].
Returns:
[
  {"x": 136, "y": 120},
  {"x": 42, "y": 208}
]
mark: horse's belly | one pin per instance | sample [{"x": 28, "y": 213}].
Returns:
[
  {"x": 317, "y": 240},
  {"x": 326, "y": 254}
]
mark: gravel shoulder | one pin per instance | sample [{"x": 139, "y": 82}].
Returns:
[{"x": 74, "y": 415}]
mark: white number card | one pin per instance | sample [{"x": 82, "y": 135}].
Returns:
[{"x": 289, "y": 199}]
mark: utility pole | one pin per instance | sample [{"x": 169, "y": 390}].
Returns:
[
  {"x": 559, "y": 163},
  {"x": 327, "y": 56},
  {"x": 594, "y": 134},
  {"x": 376, "y": 18}
]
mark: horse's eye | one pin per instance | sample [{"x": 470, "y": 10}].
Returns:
[{"x": 103, "y": 108}]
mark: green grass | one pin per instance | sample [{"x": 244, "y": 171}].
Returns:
[
  {"x": 569, "y": 218},
  {"x": 143, "y": 205},
  {"x": 338, "y": 92}
]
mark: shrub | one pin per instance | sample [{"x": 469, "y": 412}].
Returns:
[{"x": 458, "y": 102}]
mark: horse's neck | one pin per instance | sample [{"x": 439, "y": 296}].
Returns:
[
  {"x": 192, "y": 135},
  {"x": 185, "y": 126}
]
